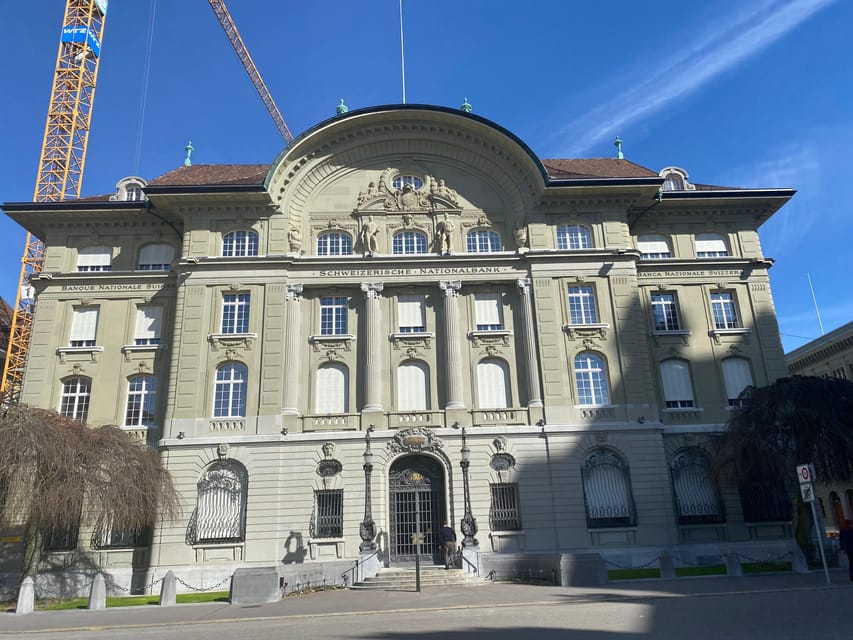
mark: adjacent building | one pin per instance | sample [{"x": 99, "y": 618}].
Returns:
[{"x": 408, "y": 317}]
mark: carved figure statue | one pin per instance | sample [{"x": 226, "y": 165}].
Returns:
[
  {"x": 445, "y": 191},
  {"x": 445, "y": 236},
  {"x": 294, "y": 239},
  {"x": 369, "y": 239},
  {"x": 521, "y": 237}
]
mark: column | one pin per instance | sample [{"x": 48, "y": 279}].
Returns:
[
  {"x": 534, "y": 393},
  {"x": 373, "y": 348},
  {"x": 452, "y": 351},
  {"x": 293, "y": 372}
]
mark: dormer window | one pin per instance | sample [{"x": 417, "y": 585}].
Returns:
[
  {"x": 673, "y": 182},
  {"x": 130, "y": 189},
  {"x": 134, "y": 192}
]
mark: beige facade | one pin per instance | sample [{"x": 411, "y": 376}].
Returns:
[{"x": 415, "y": 270}]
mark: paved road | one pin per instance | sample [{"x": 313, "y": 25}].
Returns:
[{"x": 777, "y": 607}]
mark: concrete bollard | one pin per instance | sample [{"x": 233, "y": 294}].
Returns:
[
  {"x": 26, "y": 597},
  {"x": 98, "y": 593},
  {"x": 168, "y": 590},
  {"x": 667, "y": 566}
]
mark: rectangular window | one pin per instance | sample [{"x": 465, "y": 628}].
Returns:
[
  {"x": 723, "y": 309},
  {"x": 84, "y": 325},
  {"x": 488, "y": 311},
  {"x": 235, "y": 313},
  {"x": 665, "y": 312},
  {"x": 333, "y": 316},
  {"x": 582, "y": 305},
  {"x": 504, "y": 513},
  {"x": 149, "y": 320},
  {"x": 328, "y": 513},
  {"x": 65, "y": 538},
  {"x": 411, "y": 314}
]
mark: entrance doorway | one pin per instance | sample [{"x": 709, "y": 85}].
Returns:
[{"x": 417, "y": 505}]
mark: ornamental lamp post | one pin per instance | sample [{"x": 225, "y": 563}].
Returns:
[
  {"x": 469, "y": 524},
  {"x": 367, "y": 529}
]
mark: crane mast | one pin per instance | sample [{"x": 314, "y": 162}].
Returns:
[
  {"x": 236, "y": 41},
  {"x": 63, "y": 155}
]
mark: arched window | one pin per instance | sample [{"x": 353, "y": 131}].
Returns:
[
  {"x": 493, "y": 384},
  {"x": 240, "y": 244},
  {"x": 607, "y": 490},
  {"x": 653, "y": 247},
  {"x": 334, "y": 243},
  {"x": 220, "y": 515},
  {"x": 229, "y": 398},
  {"x": 483, "y": 241},
  {"x": 332, "y": 388},
  {"x": 591, "y": 380},
  {"x": 673, "y": 182},
  {"x": 96, "y": 258},
  {"x": 409, "y": 242},
  {"x": 156, "y": 257},
  {"x": 573, "y": 236},
  {"x": 710, "y": 245},
  {"x": 737, "y": 376},
  {"x": 74, "y": 401},
  {"x": 413, "y": 387},
  {"x": 696, "y": 497},
  {"x": 133, "y": 192},
  {"x": 677, "y": 384},
  {"x": 141, "y": 401}
]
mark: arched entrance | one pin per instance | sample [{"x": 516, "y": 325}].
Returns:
[{"x": 417, "y": 505}]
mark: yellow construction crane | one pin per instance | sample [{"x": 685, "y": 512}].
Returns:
[
  {"x": 63, "y": 154},
  {"x": 230, "y": 29}
]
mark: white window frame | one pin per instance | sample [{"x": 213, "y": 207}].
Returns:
[
  {"x": 334, "y": 311},
  {"x": 724, "y": 310},
  {"x": 654, "y": 247},
  {"x": 95, "y": 258},
  {"x": 242, "y": 243},
  {"x": 84, "y": 327},
  {"x": 493, "y": 384},
  {"x": 483, "y": 241},
  {"x": 582, "y": 304},
  {"x": 230, "y": 385},
  {"x": 149, "y": 325},
  {"x": 235, "y": 313},
  {"x": 665, "y": 315},
  {"x": 573, "y": 237},
  {"x": 411, "y": 313},
  {"x": 334, "y": 243},
  {"x": 324, "y": 402},
  {"x": 488, "y": 311},
  {"x": 591, "y": 380},
  {"x": 74, "y": 398},
  {"x": 677, "y": 384},
  {"x": 413, "y": 389},
  {"x": 711, "y": 245},
  {"x": 737, "y": 376},
  {"x": 141, "y": 402},
  {"x": 409, "y": 243},
  {"x": 156, "y": 257}
]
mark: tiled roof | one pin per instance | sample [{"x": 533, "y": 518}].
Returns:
[
  {"x": 596, "y": 168},
  {"x": 204, "y": 174}
]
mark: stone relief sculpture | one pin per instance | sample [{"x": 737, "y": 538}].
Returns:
[
  {"x": 294, "y": 239},
  {"x": 521, "y": 237},
  {"x": 382, "y": 195}
]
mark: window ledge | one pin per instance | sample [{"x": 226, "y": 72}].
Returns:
[
  {"x": 599, "y": 329},
  {"x": 717, "y": 334},
  {"x": 232, "y": 339},
  {"x": 418, "y": 335},
  {"x": 671, "y": 332},
  {"x": 489, "y": 332},
  {"x": 326, "y": 540},
  {"x": 331, "y": 338},
  {"x": 498, "y": 336},
  {"x": 95, "y": 349},
  {"x": 683, "y": 410},
  {"x": 129, "y": 348}
]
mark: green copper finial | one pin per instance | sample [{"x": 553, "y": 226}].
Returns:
[
  {"x": 342, "y": 108},
  {"x": 466, "y": 106},
  {"x": 188, "y": 161},
  {"x": 618, "y": 145}
]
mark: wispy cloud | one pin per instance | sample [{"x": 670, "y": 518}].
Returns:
[{"x": 680, "y": 74}]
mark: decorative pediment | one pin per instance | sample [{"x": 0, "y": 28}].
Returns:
[{"x": 392, "y": 194}]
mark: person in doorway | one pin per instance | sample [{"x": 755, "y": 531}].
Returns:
[
  {"x": 448, "y": 536},
  {"x": 845, "y": 538}
]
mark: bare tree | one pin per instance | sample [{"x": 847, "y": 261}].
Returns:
[{"x": 55, "y": 471}]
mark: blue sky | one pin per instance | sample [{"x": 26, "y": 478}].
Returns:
[{"x": 754, "y": 94}]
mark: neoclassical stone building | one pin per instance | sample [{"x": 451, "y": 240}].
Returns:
[{"x": 319, "y": 347}]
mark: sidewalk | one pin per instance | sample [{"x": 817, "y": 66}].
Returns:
[{"x": 345, "y": 602}]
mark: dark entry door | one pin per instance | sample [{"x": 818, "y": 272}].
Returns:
[{"x": 417, "y": 506}]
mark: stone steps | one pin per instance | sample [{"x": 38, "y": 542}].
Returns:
[{"x": 404, "y": 579}]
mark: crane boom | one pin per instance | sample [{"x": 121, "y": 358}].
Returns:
[
  {"x": 63, "y": 155},
  {"x": 230, "y": 29}
]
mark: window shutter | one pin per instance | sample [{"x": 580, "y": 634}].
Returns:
[
  {"x": 653, "y": 244},
  {"x": 332, "y": 387},
  {"x": 148, "y": 322},
  {"x": 157, "y": 254},
  {"x": 492, "y": 384},
  {"x": 710, "y": 243},
  {"x": 676, "y": 380},
  {"x": 84, "y": 324},
  {"x": 487, "y": 309},
  {"x": 737, "y": 376},
  {"x": 410, "y": 311},
  {"x": 412, "y": 387},
  {"x": 95, "y": 257}
]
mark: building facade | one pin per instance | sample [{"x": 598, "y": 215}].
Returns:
[
  {"x": 831, "y": 355},
  {"x": 319, "y": 347}
]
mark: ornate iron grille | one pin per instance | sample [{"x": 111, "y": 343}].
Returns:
[
  {"x": 504, "y": 514},
  {"x": 696, "y": 497},
  {"x": 328, "y": 514},
  {"x": 765, "y": 503},
  {"x": 221, "y": 504},
  {"x": 607, "y": 491},
  {"x": 417, "y": 506}
]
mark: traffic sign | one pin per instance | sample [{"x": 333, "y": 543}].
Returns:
[
  {"x": 805, "y": 473},
  {"x": 807, "y": 491}
]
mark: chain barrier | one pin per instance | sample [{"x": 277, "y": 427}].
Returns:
[
  {"x": 208, "y": 588},
  {"x": 785, "y": 555},
  {"x": 617, "y": 565}
]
